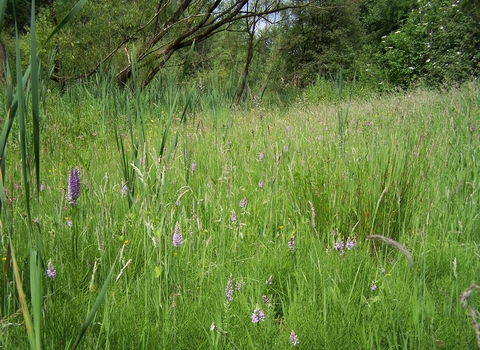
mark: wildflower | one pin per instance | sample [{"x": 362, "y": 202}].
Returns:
[
  {"x": 350, "y": 244},
  {"x": 269, "y": 281},
  {"x": 51, "y": 272},
  {"x": 260, "y": 184},
  {"x": 123, "y": 191},
  {"x": 285, "y": 148},
  {"x": 229, "y": 288},
  {"x": 258, "y": 315},
  {"x": 243, "y": 203},
  {"x": 73, "y": 186},
  {"x": 239, "y": 285},
  {"x": 194, "y": 166},
  {"x": 472, "y": 128},
  {"x": 265, "y": 299},
  {"x": 69, "y": 223},
  {"x": 177, "y": 235},
  {"x": 261, "y": 156},
  {"x": 291, "y": 244},
  {"x": 339, "y": 245},
  {"x": 42, "y": 187},
  {"x": 233, "y": 217},
  {"x": 294, "y": 339},
  {"x": 373, "y": 286}
]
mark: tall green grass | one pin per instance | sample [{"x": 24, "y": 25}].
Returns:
[
  {"x": 405, "y": 169},
  {"x": 402, "y": 168},
  {"x": 23, "y": 98}
]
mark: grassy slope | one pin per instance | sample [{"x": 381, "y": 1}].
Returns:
[{"x": 403, "y": 167}]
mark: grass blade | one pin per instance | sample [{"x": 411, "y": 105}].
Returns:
[
  {"x": 99, "y": 300},
  {"x": 36, "y": 295},
  {"x": 35, "y": 99},
  {"x": 22, "y": 125},
  {"x": 22, "y": 300}
]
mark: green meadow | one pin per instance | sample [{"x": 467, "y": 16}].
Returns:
[{"x": 353, "y": 224}]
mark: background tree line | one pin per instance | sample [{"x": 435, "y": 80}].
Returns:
[{"x": 262, "y": 45}]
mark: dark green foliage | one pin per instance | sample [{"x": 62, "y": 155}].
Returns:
[
  {"x": 19, "y": 10},
  {"x": 319, "y": 40},
  {"x": 382, "y": 17},
  {"x": 437, "y": 45}
]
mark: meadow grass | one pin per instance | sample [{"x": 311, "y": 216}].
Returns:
[{"x": 314, "y": 176}]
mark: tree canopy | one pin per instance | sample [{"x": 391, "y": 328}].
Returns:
[{"x": 282, "y": 42}]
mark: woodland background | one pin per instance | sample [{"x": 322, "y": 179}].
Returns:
[{"x": 261, "y": 48}]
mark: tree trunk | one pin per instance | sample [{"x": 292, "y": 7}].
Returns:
[{"x": 243, "y": 84}]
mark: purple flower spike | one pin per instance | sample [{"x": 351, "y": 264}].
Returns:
[
  {"x": 194, "y": 166},
  {"x": 73, "y": 191},
  {"x": 291, "y": 244},
  {"x": 260, "y": 184},
  {"x": 51, "y": 272},
  {"x": 229, "y": 288},
  {"x": 261, "y": 156},
  {"x": 258, "y": 315},
  {"x": 350, "y": 244},
  {"x": 243, "y": 203},
  {"x": 42, "y": 187},
  {"x": 233, "y": 217},
  {"x": 177, "y": 235},
  {"x": 123, "y": 191},
  {"x": 339, "y": 245},
  {"x": 294, "y": 339}
]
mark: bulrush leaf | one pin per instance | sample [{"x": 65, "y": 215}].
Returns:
[{"x": 94, "y": 310}]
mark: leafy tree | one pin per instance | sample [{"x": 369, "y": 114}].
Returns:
[
  {"x": 382, "y": 17},
  {"x": 153, "y": 30},
  {"x": 321, "y": 39},
  {"x": 439, "y": 44}
]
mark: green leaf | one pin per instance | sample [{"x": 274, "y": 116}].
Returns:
[
  {"x": 189, "y": 57},
  {"x": 94, "y": 310},
  {"x": 22, "y": 300},
  {"x": 34, "y": 80}
]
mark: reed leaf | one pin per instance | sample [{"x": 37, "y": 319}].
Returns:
[
  {"x": 34, "y": 81},
  {"x": 22, "y": 300},
  {"x": 95, "y": 307},
  {"x": 22, "y": 125},
  {"x": 36, "y": 273},
  {"x": 189, "y": 58}
]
